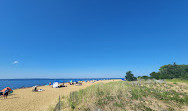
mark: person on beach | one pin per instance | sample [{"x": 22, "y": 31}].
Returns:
[
  {"x": 1, "y": 93},
  {"x": 6, "y": 93},
  {"x": 63, "y": 85},
  {"x": 50, "y": 84},
  {"x": 35, "y": 89}
]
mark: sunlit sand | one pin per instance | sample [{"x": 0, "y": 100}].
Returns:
[{"x": 26, "y": 100}]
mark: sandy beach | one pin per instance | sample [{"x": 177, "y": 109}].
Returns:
[{"x": 26, "y": 100}]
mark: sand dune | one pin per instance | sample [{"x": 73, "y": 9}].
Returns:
[{"x": 26, "y": 100}]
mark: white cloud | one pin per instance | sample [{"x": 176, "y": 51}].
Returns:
[{"x": 15, "y": 62}]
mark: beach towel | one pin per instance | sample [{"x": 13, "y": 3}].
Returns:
[{"x": 41, "y": 90}]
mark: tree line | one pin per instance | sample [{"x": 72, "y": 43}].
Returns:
[{"x": 169, "y": 71}]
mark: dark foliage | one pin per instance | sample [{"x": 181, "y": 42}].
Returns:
[
  {"x": 130, "y": 77},
  {"x": 144, "y": 77},
  {"x": 171, "y": 71}
]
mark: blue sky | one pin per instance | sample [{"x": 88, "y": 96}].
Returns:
[{"x": 91, "y": 38}]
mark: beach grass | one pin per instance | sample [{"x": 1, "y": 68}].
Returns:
[
  {"x": 177, "y": 80},
  {"x": 123, "y": 95}
]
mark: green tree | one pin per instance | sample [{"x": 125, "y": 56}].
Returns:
[
  {"x": 171, "y": 71},
  {"x": 155, "y": 75},
  {"x": 145, "y": 77},
  {"x": 130, "y": 77}
]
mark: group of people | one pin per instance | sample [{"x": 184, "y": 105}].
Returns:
[
  {"x": 5, "y": 93},
  {"x": 58, "y": 85},
  {"x": 76, "y": 83}
]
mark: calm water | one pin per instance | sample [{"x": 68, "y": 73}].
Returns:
[{"x": 20, "y": 83}]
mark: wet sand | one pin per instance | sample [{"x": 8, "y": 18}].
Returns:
[{"x": 26, "y": 100}]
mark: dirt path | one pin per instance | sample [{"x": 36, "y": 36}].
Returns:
[{"x": 26, "y": 100}]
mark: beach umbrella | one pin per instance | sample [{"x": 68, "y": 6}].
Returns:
[
  {"x": 10, "y": 90},
  {"x": 73, "y": 81}
]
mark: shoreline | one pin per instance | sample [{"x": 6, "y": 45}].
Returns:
[
  {"x": 25, "y": 100},
  {"x": 23, "y": 83},
  {"x": 41, "y": 85}
]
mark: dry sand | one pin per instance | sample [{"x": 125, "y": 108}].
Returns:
[{"x": 26, "y": 100}]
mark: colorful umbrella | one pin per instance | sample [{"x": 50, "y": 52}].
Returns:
[{"x": 9, "y": 89}]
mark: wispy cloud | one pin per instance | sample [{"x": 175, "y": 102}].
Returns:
[{"x": 15, "y": 62}]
